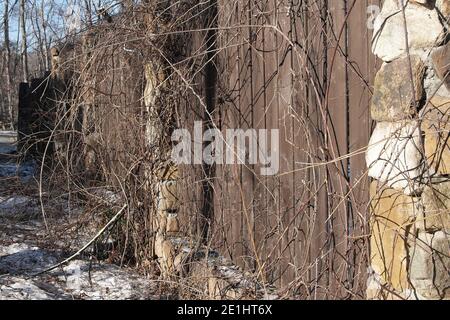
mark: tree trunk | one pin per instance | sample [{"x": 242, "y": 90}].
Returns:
[
  {"x": 44, "y": 38},
  {"x": 24, "y": 41},
  {"x": 8, "y": 63}
]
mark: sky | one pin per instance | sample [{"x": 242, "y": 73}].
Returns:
[{"x": 60, "y": 14}]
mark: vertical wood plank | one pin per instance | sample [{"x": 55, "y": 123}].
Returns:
[
  {"x": 359, "y": 130},
  {"x": 285, "y": 121}
]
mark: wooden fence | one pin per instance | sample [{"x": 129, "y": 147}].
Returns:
[{"x": 305, "y": 68}]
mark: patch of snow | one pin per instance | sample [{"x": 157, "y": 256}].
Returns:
[
  {"x": 78, "y": 280},
  {"x": 7, "y": 149},
  {"x": 24, "y": 171},
  {"x": 15, "y": 288},
  {"x": 20, "y": 258},
  {"x": 16, "y": 205},
  {"x": 103, "y": 281}
]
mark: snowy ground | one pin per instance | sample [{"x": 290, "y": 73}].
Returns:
[{"x": 27, "y": 248}]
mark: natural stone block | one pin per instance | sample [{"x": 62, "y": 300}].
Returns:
[
  {"x": 425, "y": 30},
  {"x": 430, "y": 265},
  {"x": 394, "y": 156},
  {"x": 220, "y": 289},
  {"x": 435, "y": 126},
  {"x": 436, "y": 204},
  {"x": 433, "y": 86},
  {"x": 168, "y": 172},
  {"x": 172, "y": 224},
  {"x": 374, "y": 287},
  {"x": 168, "y": 196},
  {"x": 165, "y": 251},
  {"x": 160, "y": 223},
  {"x": 168, "y": 256},
  {"x": 392, "y": 215},
  {"x": 444, "y": 7},
  {"x": 155, "y": 78},
  {"x": 159, "y": 239},
  {"x": 179, "y": 261},
  {"x": 54, "y": 51},
  {"x": 153, "y": 132},
  {"x": 441, "y": 64},
  {"x": 393, "y": 98},
  {"x": 202, "y": 275}
]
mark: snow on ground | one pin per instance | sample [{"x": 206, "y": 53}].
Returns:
[
  {"x": 7, "y": 149},
  {"x": 23, "y": 254},
  {"x": 24, "y": 170},
  {"x": 26, "y": 249},
  {"x": 15, "y": 205},
  {"x": 9, "y": 167},
  {"x": 79, "y": 279}
]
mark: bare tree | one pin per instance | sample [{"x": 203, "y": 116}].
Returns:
[
  {"x": 45, "y": 43},
  {"x": 8, "y": 62},
  {"x": 23, "y": 32}
]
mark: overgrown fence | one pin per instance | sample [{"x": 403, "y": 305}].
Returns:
[{"x": 303, "y": 67}]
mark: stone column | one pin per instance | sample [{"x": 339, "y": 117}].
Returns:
[
  {"x": 58, "y": 85},
  {"x": 91, "y": 136},
  {"x": 409, "y": 153},
  {"x": 163, "y": 175}
]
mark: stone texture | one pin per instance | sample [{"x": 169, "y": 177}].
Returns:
[
  {"x": 436, "y": 213},
  {"x": 394, "y": 157},
  {"x": 392, "y": 215},
  {"x": 432, "y": 84},
  {"x": 153, "y": 131},
  {"x": 430, "y": 265},
  {"x": 56, "y": 62},
  {"x": 436, "y": 126},
  {"x": 220, "y": 289},
  {"x": 92, "y": 147},
  {"x": 168, "y": 196},
  {"x": 173, "y": 225},
  {"x": 425, "y": 30},
  {"x": 180, "y": 261},
  {"x": 393, "y": 98},
  {"x": 374, "y": 287},
  {"x": 410, "y": 202},
  {"x": 159, "y": 239},
  {"x": 161, "y": 222},
  {"x": 444, "y": 7},
  {"x": 168, "y": 172},
  {"x": 441, "y": 64},
  {"x": 168, "y": 257},
  {"x": 165, "y": 252},
  {"x": 154, "y": 79}
]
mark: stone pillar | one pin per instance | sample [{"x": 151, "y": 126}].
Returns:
[
  {"x": 409, "y": 153},
  {"x": 163, "y": 176},
  {"x": 54, "y": 51},
  {"x": 59, "y": 87},
  {"x": 92, "y": 139}
]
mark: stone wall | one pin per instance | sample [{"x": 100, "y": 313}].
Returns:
[{"x": 408, "y": 153}]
